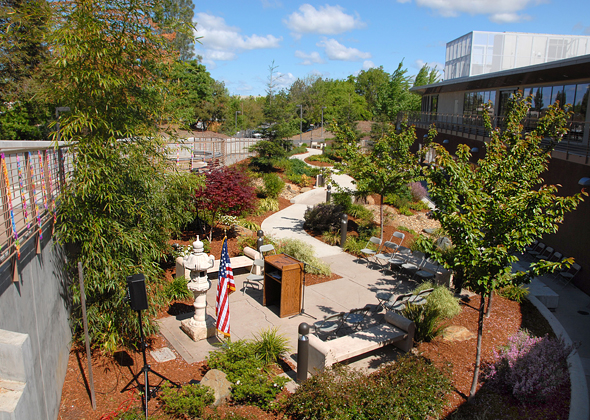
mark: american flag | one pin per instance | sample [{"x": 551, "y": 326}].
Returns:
[{"x": 225, "y": 284}]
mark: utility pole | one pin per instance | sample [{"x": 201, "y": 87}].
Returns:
[
  {"x": 322, "y": 135},
  {"x": 300, "y": 124}
]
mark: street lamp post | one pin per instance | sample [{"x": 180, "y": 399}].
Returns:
[
  {"x": 300, "y": 124},
  {"x": 237, "y": 112},
  {"x": 322, "y": 135}
]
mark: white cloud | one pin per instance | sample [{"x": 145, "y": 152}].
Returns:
[
  {"x": 336, "y": 51},
  {"x": 499, "y": 11},
  {"x": 222, "y": 42},
  {"x": 368, "y": 64},
  {"x": 309, "y": 59},
  {"x": 244, "y": 87},
  {"x": 284, "y": 80},
  {"x": 327, "y": 20}
]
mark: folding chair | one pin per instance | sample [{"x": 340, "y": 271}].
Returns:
[
  {"x": 420, "y": 298},
  {"x": 253, "y": 277},
  {"x": 400, "y": 257},
  {"x": 568, "y": 275},
  {"x": 426, "y": 274},
  {"x": 367, "y": 251},
  {"x": 397, "y": 303},
  {"x": 389, "y": 248},
  {"x": 267, "y": 248},
  {"x": 537, "y": 250},
  {"x": 329, "y": 326},
  {"x": 413, "y": 265},
  {"x": 545, "y": 254},
  {"x": 356, "y": 317}
]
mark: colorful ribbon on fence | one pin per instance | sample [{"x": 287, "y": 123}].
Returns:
[
  {"x": 51, "y": 188},
  {"x": 23, "y": 196},
  {"x": 44, "y": 193},
  {"x": 178, "y": 156},
  {"x": 36, "y": 208},
  {"x": 9, "y": 195}
]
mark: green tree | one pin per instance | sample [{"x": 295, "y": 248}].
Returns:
[
  {"x": 396, "y": 96},
  {"x": 370, "y": 84},
  {"x": 175, "y": 17},
  {"x": 385, "y": 169},
  {"x": 343, "y": 104},
  {"x": 23, "y": 27},
  {"x": 491, "y": 210},
  {"x": 122, "y": 201}
]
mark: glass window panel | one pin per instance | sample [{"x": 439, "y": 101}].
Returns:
[
  {"x": 569, "y": 94},
  {"x": 546, "y": 97},
  {"x": 493, "y": 98},
  {"x": 480, "y": 38},
  {"x": 581, "y": 106}
]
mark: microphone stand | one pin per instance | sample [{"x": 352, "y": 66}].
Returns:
[{"x": 302, "y": 311}]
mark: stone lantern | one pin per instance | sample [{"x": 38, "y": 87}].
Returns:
[{"x": 200, "y": 326}]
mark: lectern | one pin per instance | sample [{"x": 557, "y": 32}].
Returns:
[{"x": 282, "y": 284}]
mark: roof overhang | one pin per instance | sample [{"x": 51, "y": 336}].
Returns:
[{"x": 568, "y": 70}]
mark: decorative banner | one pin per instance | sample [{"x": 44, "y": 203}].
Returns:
[
  {"x": 9, "y": 195},
  {"x": 51, "y": 187},
  {"x": 23, "y": 196},
  {"x": 178, "y": 156},
  {"x": 42, "y": 171},
  {"x": 36, "y": 207}
]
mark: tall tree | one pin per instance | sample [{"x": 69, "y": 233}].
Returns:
[
  {"x": 23, "y": 27},
  {"x": 176, "y": 17},
  {"x": 371, "y": 84},
  {"x": 385, "y": 169},
  {"x": 396, "y": 96},
  {"x": 493, "y": 209},
  {"x": 121, "y": 203}
]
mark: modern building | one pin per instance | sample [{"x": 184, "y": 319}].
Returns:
[
  {"x": 455, "y": 106},
  {"x": 486, "y": 52}
]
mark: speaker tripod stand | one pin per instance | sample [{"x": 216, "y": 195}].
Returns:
[{"x": 148, "y": 393}]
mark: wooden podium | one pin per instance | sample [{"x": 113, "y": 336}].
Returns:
[{"x": 282, "y": 284}]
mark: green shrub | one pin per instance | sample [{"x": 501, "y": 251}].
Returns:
[
  {"x": 215, "y": 415},
  {"x": 299, "y": 167},
  {"x": 189, "y": 400},
  {"x": 273, "y": 185},
  {"x": 267, "y": 204},
  {"x": 441, "y": 299},
  {"x": 402, "y": 228},
  {"x": 512, "y": 292},
  {"x": 303, "y": 252},
  {"x": 366, "y": 229},
  {"x": 354, "y": 245},
  {"x": 358, "y": 211},
  {"x": 342, "y": 199},
  {"x": 400, "y": 199},
  {"x": 322, "y": 217},
  {"x": 298, "y": 150},
  {"x": 177, "y": 289},
  {"x": 404, "y": 211},
  {"x": 331, "y": 237},
  {"x": 246, "y": 240},
  {"x": 270, "y": 345},
  {"x": 418, "y": 206},
  {"x": 253, "y": 226},
  {"x": 427, "y": 320},
  {"x": 320, "y": 158},
  {"x": 410, "y": 388},
  {"x": 246, "y": 370}
]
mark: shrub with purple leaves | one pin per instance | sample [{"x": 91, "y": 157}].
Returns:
[
  {"x": 530, "y": 368},
  {"x": 418, "y": 191}
]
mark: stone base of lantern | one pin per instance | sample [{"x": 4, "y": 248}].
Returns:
[{"x": 196, "y": 330}]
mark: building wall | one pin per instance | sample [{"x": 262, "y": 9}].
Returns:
[
  {"x": 573, "y": 236},
  {"x": 37, "y": 306}
]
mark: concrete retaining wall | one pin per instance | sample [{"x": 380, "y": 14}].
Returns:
[{"x": 34, "y": 329}]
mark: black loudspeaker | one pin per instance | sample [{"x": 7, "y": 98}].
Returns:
[{"x": 137, "y": 293}]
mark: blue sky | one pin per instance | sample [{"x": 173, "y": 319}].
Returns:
[{"x": 240, "y": 39}]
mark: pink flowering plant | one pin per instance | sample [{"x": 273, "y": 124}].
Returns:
[
  {"x": 530, "y": 368},
  {"x": 418, "y": 191}
]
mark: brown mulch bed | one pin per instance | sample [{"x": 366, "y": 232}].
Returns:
[{"x": 318, "y": 163}]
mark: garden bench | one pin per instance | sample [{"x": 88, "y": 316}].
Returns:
[
  {"x": 242, "y": 261},
  {"x": 396, "y": 330}
]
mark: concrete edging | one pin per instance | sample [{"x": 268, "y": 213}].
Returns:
[{"x": 579, "y": 406}]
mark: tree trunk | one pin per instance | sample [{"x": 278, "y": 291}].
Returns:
[
  {"x": 489, "y": 310},
  {"x": 381, "y": 214},
  {"x": 478, "y": 354}
]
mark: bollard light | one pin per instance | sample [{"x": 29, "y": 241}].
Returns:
[
  {"x": 343, "y": 229},
  {"x": 260, "y": 240},
  {"x": 302, "y": 352},
  {"x": 328, "y": 194}
]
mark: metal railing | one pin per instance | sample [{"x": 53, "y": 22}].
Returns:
[
  {"x": 575, "y": 142},
  {"x": 32, "y": 177},
  {"x": 197, "y": 153}
]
